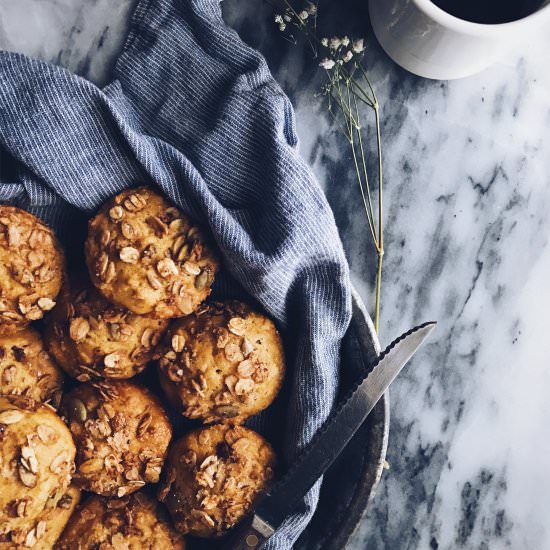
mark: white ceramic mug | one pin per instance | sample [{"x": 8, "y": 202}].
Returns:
[{"x": 430, "y": 42}]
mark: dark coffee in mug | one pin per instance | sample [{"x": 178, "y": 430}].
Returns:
[{"x": 489, "y": 11}]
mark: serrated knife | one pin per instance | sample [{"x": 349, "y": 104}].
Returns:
[{"x": 327, "y": 444}]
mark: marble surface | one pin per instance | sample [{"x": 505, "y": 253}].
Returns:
[{"x": 466, "y": 201}]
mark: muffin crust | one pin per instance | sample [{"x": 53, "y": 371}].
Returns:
[
  {"x": 136, "y": 522},
  {"x": 147, "y": 256},
  {"x": 27, "y": 369},
  {"x": 36, "y": 462},
  {"x": 224, "y": 363},
  {"x": 213, "y": 476},
  {"x": 91, "y": 338},
  {"x": 31, "y": 268},
  {"x": 121, "y": 433}
]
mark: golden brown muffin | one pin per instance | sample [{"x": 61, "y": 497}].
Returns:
[
  {"x": 26, "y": 368},
  {"x": 121, "y": 433},
  {"x": 225, "y": 362},
  {"x": 36, "y": 462},
  {"x": 147, "y": 256},
  {"x": 89, "y": 337},
  {"x": 47, "y": 527},
  {"x": 31, "y": 268},
  {"x": 135, "y": 522},
  {"x": 213, "y": 476}
]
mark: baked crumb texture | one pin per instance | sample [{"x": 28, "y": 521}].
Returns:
[
  {"x": 27, "y": 369},
  {"x": 91, "y": 338},
  {"x": 224, "y": 363},
  {"x": 147, "y": 256},
  {"x": 32, "y": 265},
  {"x": 121, "y": 433},
  {"x": 36, "y": 463},
  {"x": 213, "y": 476},
  {"x": 134, "y": 522}
]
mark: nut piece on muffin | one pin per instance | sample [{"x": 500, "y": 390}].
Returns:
[
  {"x": 36, "y": 462},
  {"x": 223, "y": 363},
  {"x": 27, "y": 369},
  {"x": 147, "y": 256},
  {"x": 90, "y": 338},
  {"x": 213, "y": 476},
  {"x": 132, "y": 523},
  {"x": 121, "y": 433},
  {"x": 32, "y": 264}
]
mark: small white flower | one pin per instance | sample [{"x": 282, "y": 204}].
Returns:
[
  {"x": 287, "y": 18},
  {"x": 282, "y": 27},
  {"x": 340, "y": 62},
  {"x": 348, "y": 56},
  {"x": 311, "y": 9},
  {"x": 327, "y": 63},
  {"x": 278, "y": 18},
  {"x": 345, "y": 41},
  {"x": 335, "y": 43},
  {"x": 303, "y": 15},
  {"x": 358, "y": 46},
  {"x": 324, "y": 42}
]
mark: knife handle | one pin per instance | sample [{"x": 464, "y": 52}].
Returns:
[{"x": 251, "y": 535}]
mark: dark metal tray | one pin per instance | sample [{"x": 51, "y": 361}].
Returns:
[{"x": 351, "y": 482}]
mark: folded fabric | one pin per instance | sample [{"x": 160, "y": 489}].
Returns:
[{"x": 196, "y": 112}]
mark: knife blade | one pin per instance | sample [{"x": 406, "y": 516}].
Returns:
[{"x": 328, "y": 442}]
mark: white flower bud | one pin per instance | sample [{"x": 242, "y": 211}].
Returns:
[{"x": 327, "y": 63}]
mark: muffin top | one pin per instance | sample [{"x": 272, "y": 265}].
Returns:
[
  {"x": 90, "y": 337},
  {"x": 213, "y": 476},
  {"x": 36, "y": 462},
  {"x": 223, "y": 363},
  {"x": 147, "y": 256},
  {"x": 27, "y": 369},
  {"x": 121, "y": 433},
  {"x": 31, "y": 268},
  {"x": 135, "y": 522}
]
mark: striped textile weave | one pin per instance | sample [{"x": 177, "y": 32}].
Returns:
[{"x": 196, "y": 112}]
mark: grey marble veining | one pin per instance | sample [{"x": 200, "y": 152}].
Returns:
[{"x": 467, "y": 167}]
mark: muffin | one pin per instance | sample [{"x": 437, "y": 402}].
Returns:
[
  {"x": 36, "y": 462},
  {"x": 213, "y": 476},
  {"x": 89, "y": 337},
  {"x": 26, "y": 368},
  {"x": 225, "y": 362},
  {"x": 47, "y": 527},
  {"x": 55, "y": 520},
  {"x": 136, "y": 522},
  {"x": 121, "y": 433},
  {"x": 31, "y": 268},
  {"x": 147, "y": 256}
]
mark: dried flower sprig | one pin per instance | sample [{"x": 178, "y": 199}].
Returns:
[{"x": 348, "y": 92}]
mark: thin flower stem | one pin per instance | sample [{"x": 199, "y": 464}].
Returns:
[
  {"x": 380, "y": 218},
  {"x": 365, "y": 174},
  {"x": 378, "y": 292},
  {"x": 366, "y": 202}
]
